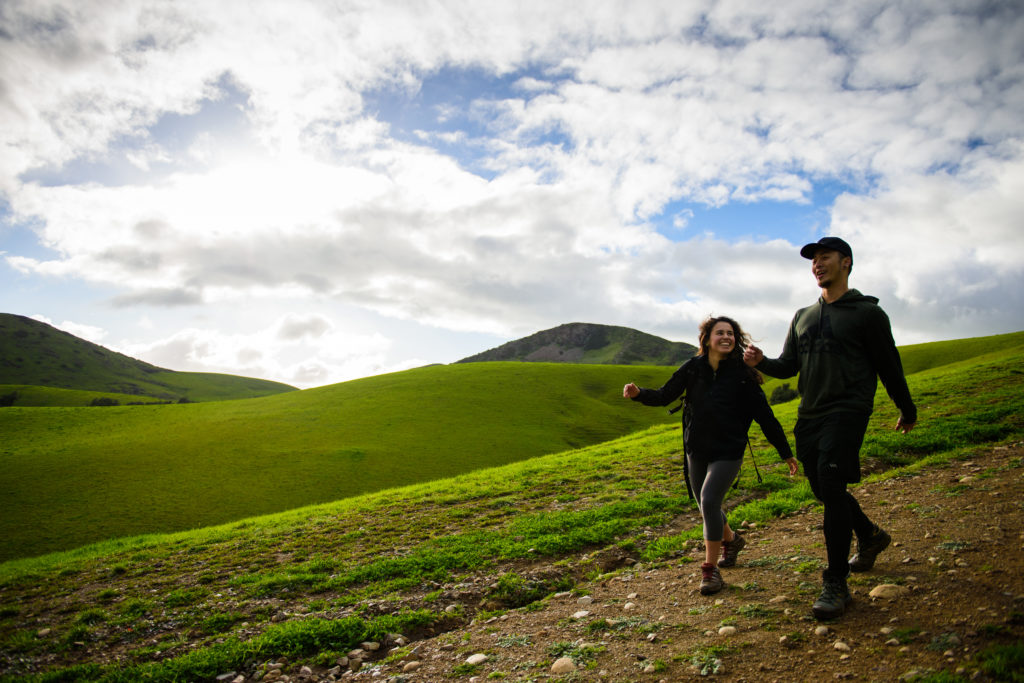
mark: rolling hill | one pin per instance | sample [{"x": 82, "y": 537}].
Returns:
[
  {"x": 34, "y": 354},
  {"x": 78, "y": 475},
  {"x": 75, "y": 476},
  {"x": 590, "y": 343}
]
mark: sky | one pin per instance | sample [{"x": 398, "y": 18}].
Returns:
[{"x": 315, "y": 191}]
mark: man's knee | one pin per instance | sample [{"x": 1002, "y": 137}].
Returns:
[{"x": 831, "y": 484}]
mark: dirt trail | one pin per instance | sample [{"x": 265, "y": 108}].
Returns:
[{"x": 957, "y": 556}]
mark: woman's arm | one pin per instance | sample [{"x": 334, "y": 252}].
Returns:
[{"x": 670, "y": 391}]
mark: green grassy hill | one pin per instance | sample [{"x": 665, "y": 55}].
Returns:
[
  {"x": 197, "y": 604},
  {"x": 76, "y": 475},
  {"x": 35, "y": 354}
]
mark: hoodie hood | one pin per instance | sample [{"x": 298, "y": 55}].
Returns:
[{"x": 852, "y": 297}]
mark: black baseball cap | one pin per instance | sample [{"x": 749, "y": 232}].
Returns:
[{"x": 833, "y": 243}]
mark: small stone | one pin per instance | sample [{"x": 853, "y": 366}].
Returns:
[
  {"x": 228, "y": 676},
  {"x": 585, "y": 600},
  {"x": 649, "y": 669},
  {"x": 777, "y": 599},
  {"x": 563, "y": 665},
  {"x": 582, "y": 614},
  {"x": 305, "y": 671},
  {"x": 628, "y": 606},
  {"x": 841, "y": 646},
  {"x": 632, "y": 596},
  {"x": 370, "y": 646},
  {"x": 478, "y": 658},
  {"x": 727, "y": 631},
  {"x": 43, "y": 632},
  {"x": 451, "y": 608},
  {"x": 821, "y": 631},
  {"x": 411, "y": 666},
  {"x": 888, "y": 591}
]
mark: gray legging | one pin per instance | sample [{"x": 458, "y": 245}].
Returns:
[{"x": 710, "y": 482}]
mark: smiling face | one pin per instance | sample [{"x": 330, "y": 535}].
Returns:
[
  {"x": 722, "y": 339},
  {"x": 829, "y": 267}
]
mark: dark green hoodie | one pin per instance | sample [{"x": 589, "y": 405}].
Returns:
[{"x": 841, "y": 350}]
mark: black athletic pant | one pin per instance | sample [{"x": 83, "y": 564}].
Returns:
[{"x": 829, "y": 449}]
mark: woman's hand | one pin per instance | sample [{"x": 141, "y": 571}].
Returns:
[
  {"x": 794, "y": 467},
  {"x": 630, "y": 391}
]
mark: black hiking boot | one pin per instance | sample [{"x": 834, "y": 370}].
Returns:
[
  {"x": 730, "y": 549},
  {"x": 710, "y": 579},
  {"x": 834, "y": 598},
  {"x": 868, "y": 549}
]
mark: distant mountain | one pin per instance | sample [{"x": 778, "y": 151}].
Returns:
[
  {"x": 590, "y": 343},
  {"x": 36, "y": 354}
]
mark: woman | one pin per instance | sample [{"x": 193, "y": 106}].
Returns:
[{"x": 722, "y": 396}]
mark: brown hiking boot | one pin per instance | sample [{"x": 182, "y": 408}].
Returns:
[
  {"x": 730, "y": 549},
  {"x": 710, "y": 579},
  {"x": 868, "y": 549}
]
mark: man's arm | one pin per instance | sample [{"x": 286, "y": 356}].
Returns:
[{"x": 886, "y": 359}]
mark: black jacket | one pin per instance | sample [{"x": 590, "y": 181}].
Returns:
[
  {"x": 841, "y": 350},
  {"x": 719, "y": 409}
]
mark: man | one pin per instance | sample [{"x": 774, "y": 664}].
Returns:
[{"x": 841, "y": 346}]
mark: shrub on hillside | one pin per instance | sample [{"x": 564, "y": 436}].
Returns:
[
  {"x": 782, "y": 394},
  {"x": 105, "y": 401},
  {"x": 8, "y": 399}
]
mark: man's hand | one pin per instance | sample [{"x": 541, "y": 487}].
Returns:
[
  {"x": 630, "y": 391},
  {"x": 904, "y": 427},
  {"x": 752, "y": 355},
  {"x": 793, "y": 466}
]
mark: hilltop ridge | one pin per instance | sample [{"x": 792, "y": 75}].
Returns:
[
  {"x": 590, "y": 343},
  {"x": 34, "y": 353}
]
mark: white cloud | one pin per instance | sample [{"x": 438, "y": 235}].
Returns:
[
  {"x": 944, "y": 248},
  {"x": 602, "y": 120},
  {"x": 302, "y": 350}
]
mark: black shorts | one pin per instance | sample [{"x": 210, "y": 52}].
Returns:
[{"x": 832, "y": 441}]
